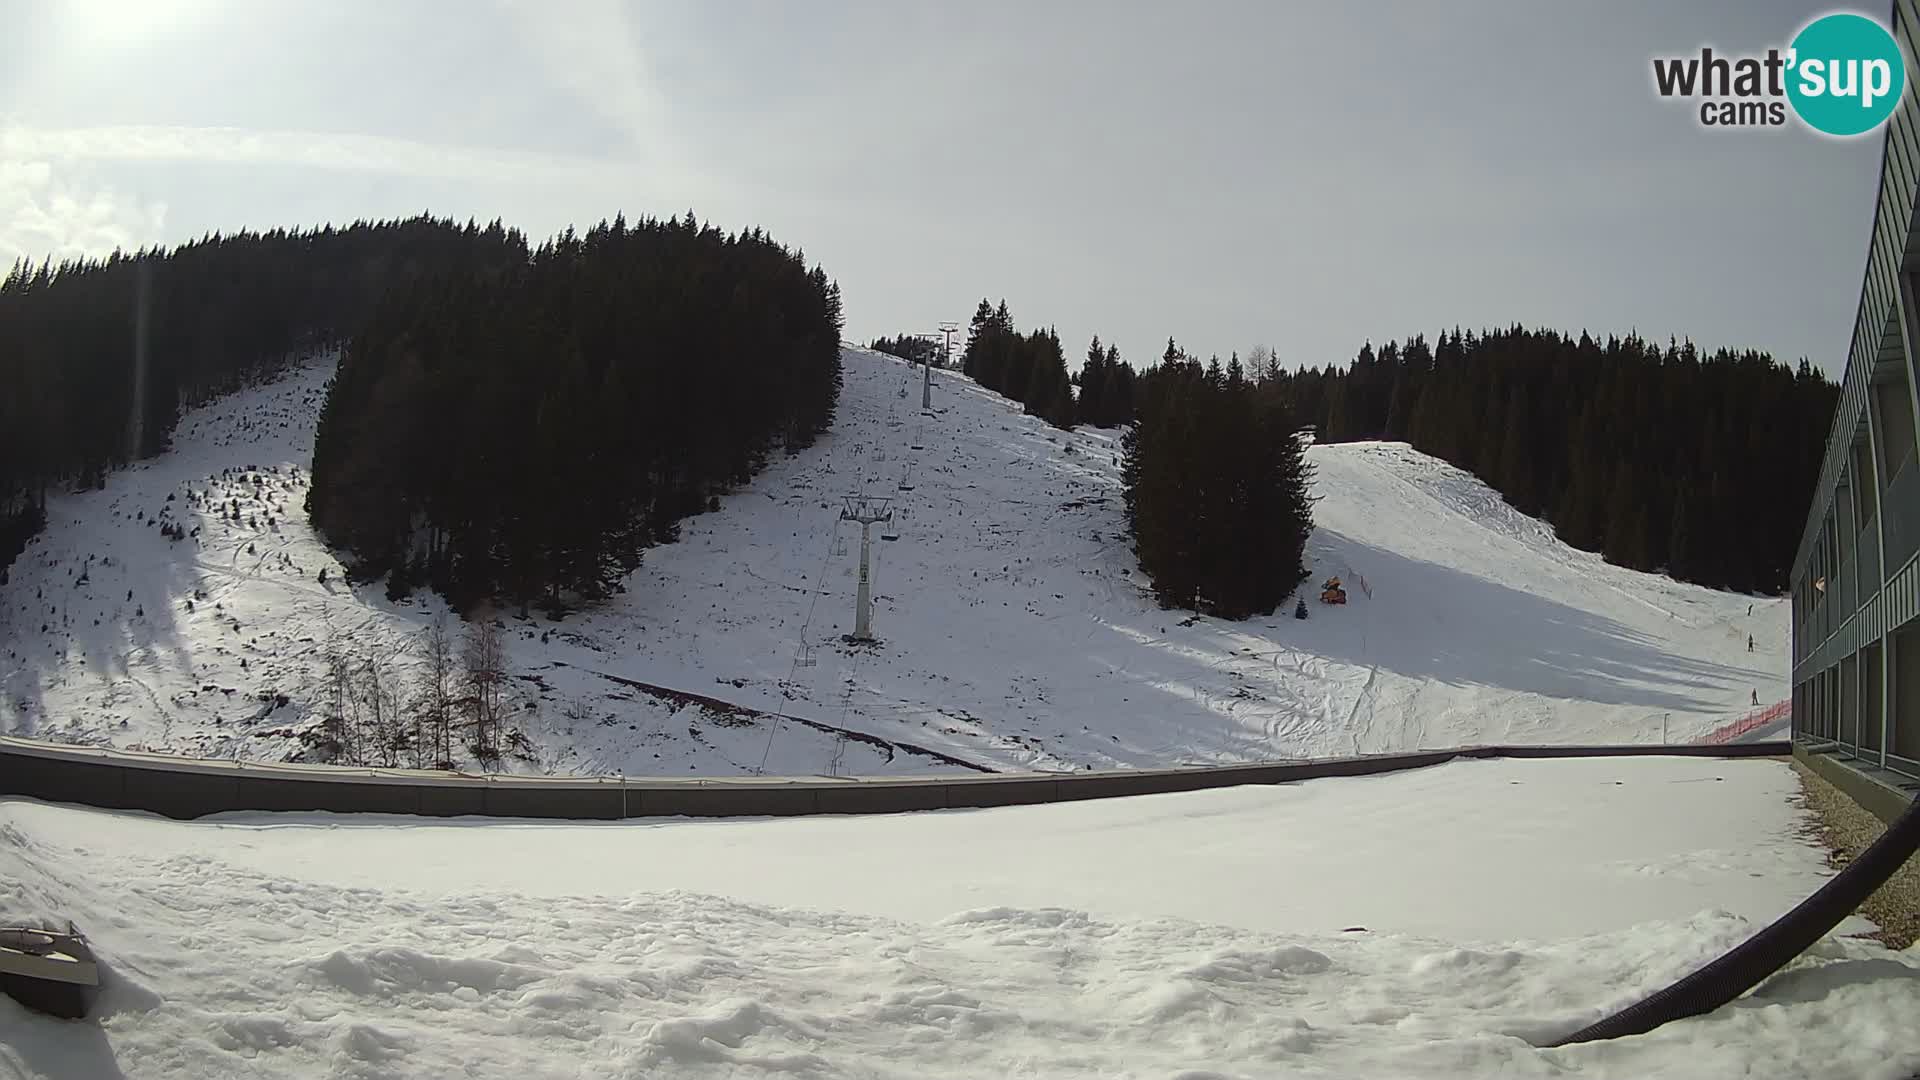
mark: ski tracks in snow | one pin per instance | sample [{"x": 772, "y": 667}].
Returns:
[{"x": 1011, "y": 570}]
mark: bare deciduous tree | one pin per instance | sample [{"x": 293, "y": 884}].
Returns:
[
  {"x": 342, "y": 720},
  {"x": 1262, "y": 362},
  {"x": 434, "y": 699},
  {"x": 380, "y": 709},
  {"x": 483, "y": 669}
]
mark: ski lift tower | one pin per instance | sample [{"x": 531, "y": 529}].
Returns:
[
  {"x": 868, "y": 512},
  {"x": 947, "y": 330},
  {"x": 926, "y": 373}
]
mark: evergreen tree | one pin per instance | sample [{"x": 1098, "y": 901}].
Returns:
[
  {"x": 1657, "y": 456},
  {"x": 973, "y": 356},
  {"x": 1093, "y": 381},
  {"x": 1117, "y": 403},
  {"x": 524, "y": 433},
  {"x": 1335, "y": 425},
  {"x": 1405, "y": 395},
  {"x": 1680, "y": 538},
  {"x": 1216, "y": 489},
  {"x": 909, "y": 347},
  {"x": 1515, "y": 474},
  {"x": 99, "y": 357},
  {"x": 1030, "y": 368}
]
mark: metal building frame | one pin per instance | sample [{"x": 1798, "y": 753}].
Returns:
[{"x": 1855, "y": 581}]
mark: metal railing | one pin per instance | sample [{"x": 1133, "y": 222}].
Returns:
[
  {"x": 1901, "y": 506},
  {"x": 1844, "y": 597},
  {"x": 1868, "y": 547}
]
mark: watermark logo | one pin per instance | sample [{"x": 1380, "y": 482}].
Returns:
[
  {"x": 1849, "y": 74},
  {"x": 1843, "y": 74}
]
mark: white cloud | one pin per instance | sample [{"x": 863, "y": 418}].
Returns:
[
  {"x": 590, "y": 48},
  {"x": 324, "y": 150},
  {"x": 43, "y": 212}
]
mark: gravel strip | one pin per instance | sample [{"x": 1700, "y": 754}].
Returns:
[{"x": 1846, "y": 830}]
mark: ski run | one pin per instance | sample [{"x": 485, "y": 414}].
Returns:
[
  {"x": 1015, "y": 628},
  {"x": 1443, "y": 922}
]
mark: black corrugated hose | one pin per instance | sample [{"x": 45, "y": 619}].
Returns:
[{"x": 1766, "y": 952}]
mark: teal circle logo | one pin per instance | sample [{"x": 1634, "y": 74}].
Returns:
[{"x": 1845, "y": 74}]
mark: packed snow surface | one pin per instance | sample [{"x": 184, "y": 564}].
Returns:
[
  {"x": 1437, "y": 923},
  {"x": 1016, "y": 629}
]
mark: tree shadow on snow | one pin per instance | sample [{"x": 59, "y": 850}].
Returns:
[
  {"x": 95, "y": 628},
  {"x": 1428, "y": 621}
]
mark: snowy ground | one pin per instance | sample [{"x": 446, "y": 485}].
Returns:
[
  {"x": 1213, "y": 934},
  {"x": 1016, "y": 630}
]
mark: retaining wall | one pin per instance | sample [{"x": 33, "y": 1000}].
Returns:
[
  {"x": 1885, "y": 795},
  {"x": 188, "y": 787}
]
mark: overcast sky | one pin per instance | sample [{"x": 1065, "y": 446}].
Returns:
[{"x": 1308, "y": 176}]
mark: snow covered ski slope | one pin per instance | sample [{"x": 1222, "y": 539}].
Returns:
[
  {"x": 1016, "y": 631},
  {"x": 1428, "y": 924}
]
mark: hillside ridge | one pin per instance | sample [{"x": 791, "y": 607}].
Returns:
[{"x": 1016, "y": 631}]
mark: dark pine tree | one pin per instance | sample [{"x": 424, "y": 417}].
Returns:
[
  {"x": 524, "y": 432},
  {"x": 1660, "y": 457},
  {"x": 1216, "y": 487},
  {"x": 98, "y": 357}
]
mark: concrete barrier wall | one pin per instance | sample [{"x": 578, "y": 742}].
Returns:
[
  {"x": 1885, "y": 795},
  {"x": 190, "y": 788}
]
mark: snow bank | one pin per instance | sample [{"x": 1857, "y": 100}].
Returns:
[{"x": 1214, "y": 934}]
